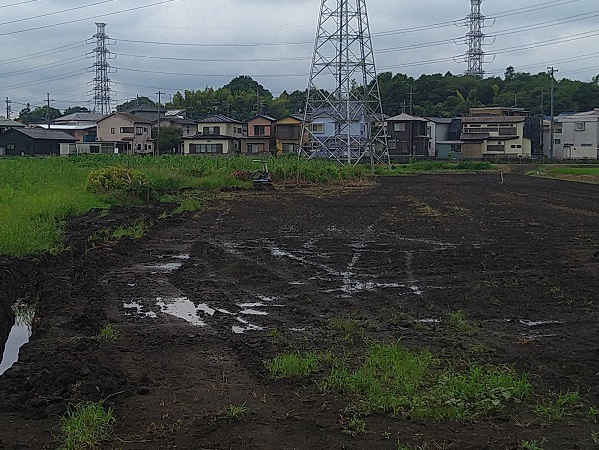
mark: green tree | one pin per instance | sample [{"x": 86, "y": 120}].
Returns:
[
  {"x": 75, "y": 109},
  {"x": 139, "y": 101},
  {"x": 38, "y": 115},
  {"x": 169, "y": 138}
]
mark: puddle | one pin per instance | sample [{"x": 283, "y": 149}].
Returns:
[
  {"x": 19, "y": 335},
  {"x": 166, "y": 267},
  {"x": 182, "y": 308},
  {"x": 138, "y": 308},
  {"x": 184, "y": 256},
  {"x": 430, "y": 321},
  {"x": 540, "y": 323},
  {"x": 246, "y": 327}
]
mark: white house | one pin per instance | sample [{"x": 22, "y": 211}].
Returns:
[{"x": 576, "y": 136}]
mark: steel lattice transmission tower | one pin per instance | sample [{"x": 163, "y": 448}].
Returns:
[
  {"x": 101, "y": 82},
  {"x": 343, "y": 118},
  {"x": 475, "y": 39}
]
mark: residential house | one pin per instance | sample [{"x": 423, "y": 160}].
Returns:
[
  {"x": 444, "y": 134},
  {"x": 260, "y": 139},
  {"x": 576, "y": 136},
  {"x": 407, "y": 136},
  {"x": 128, "y": 133},
  {"x": 499, "y": 132},
  {"x": 34, "y": 142},
  {"x": 216, "y": 135},
  {"x": 328, "y": 133},
  {"x": 7, "y": 124},
  {"x": 288, "y": 132}
]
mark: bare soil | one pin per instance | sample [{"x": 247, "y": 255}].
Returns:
[{"x": 265, "y": 272}]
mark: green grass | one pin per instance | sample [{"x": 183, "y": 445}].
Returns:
[
  {"x": 37, "y": 195},
  {"x": 559, "y": 406},
  {"x": 85, "y": 425},
  {"x": 108, "y": 333},
  {"x": 435, "y": 166},
  {"x": 531, "y": 444},
  {"x": 292, "y": 365},
  {"x": 588, "y": 171},
  {"x": 457, "y": 321},
  {"x": 134, "y": 230},
  {"x": 234, "y": 412},
  {"x": 389, "y": 378}
]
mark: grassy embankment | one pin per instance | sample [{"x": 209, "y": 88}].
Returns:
[
  {"x": 587, "y": 174},
  {"x": 37, "y": 195}
]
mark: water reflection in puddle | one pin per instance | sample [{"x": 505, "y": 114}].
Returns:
[
  {"x": 19, "y": 335},
  {"x": 540, "y": 323},
  {"x": 182, "y": 308},
  {"x": 138, "y": 308},
  {"x": 246, "y": 327}
]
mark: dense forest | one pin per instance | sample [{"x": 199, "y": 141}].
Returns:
[{"x": 434, "y": 95}]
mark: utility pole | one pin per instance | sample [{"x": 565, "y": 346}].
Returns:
[
  {"x": 411, "y": 99},
  {"x": 552, "y": 72},
  {"x": 8, "y": 102},
  {"x": 156, "y": 151},
  {"x": 48, "y": 110}
]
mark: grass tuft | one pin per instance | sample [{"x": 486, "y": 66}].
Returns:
[
  {"x": 86, "y": 425},
  {"x": 108, "y": 333},
  {"x": 234, "y": 412},
  {"x": 292, "y": 365}
]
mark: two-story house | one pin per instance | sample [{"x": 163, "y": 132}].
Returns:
[
  {"x": 260, "y": 139},
  {"x": 288, "y": 131},
  {"x": 499, "y": 132},
  {"x": 129, "y": 133},
  {"x": 575, "y": 136},
  {"x": 407, "y": 136},
  {"x": 216, "y": 135}
]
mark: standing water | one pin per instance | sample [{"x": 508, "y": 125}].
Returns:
[{"x": 19, "y": 336}]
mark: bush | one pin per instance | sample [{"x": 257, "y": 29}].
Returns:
[{"x": 119, "y": 182}]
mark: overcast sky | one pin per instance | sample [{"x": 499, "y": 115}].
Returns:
[{"x": 44, "y": 47}]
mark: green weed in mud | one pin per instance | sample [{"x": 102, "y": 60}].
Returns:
[
  {"x": 292, "y": 365},
  {"x": 354, "y": 426},
  {"x": 435, "y": 166},
  {"x": 559, "y": 406},
  {"x": 234, "y": 412},
  {"x": 133, "y": 230},
  {"x": 86, "y": 425},
  {"x": 532, "y": 444},
  {"x": 458, "y": 322},
  {"x": 108, "y": 333},
  {"x": 389, "y": 378}
]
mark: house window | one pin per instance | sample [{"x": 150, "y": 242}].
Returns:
[
  {"x": 113, "y": 131},
  {"x": 187, "y": 130},
  {"x": 139, "y": 147},
  {"x": 316, "y": 128},
  {"x": 429, "y": 131},
  {"x": 557, "y": 130},
  {"x": 127, "y": 130},
  {"x": 259, "y": 130},
  {"x": 255, "y": 149},
  {"x": 586, "y": 145},
  {"x": 211, "y": 131},
  {"x": 392, "y": 144},
  {"x": 10, "y": 147},
  {"x": 557, "y": 141},
  {"x": 399, "y": 126},
  {"x": 579, "y": 126},
  {"x": 94, "y": 149},
  {"x": 140, "y": 130},
  {"x": 205, "y": 148}
]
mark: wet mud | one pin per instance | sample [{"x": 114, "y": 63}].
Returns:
[{"x": 204, "y": 299}]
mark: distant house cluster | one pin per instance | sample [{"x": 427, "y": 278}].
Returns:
[{"x": 485, "y": 133}]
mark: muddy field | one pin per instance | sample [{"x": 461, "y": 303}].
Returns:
[{"x": 205, "y": 298}]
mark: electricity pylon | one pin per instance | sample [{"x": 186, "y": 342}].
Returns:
[
  {"x": 343, "y": 118},
  {"x": 102, "y": 83},
  {"x": 475, "y": 39}
]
